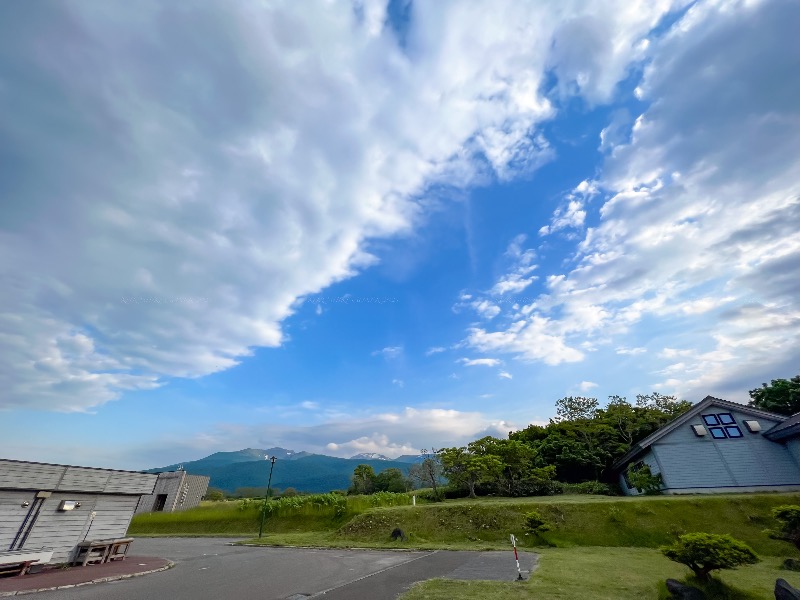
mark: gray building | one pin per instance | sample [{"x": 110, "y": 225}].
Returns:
[
  {"x": 174, "y": 490},
  {"x": 720, "y": 446},
  {"x": 59, "y": 506}
]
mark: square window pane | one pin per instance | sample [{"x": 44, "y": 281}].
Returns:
[
  {"x": 733, "y": 431},
  {"x": 726, "y": 419},
  {"x": 710, "y": 419},
  {"x": 717, "y": 432}
]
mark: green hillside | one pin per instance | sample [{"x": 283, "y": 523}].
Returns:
[{"x": 313, "y": 473}]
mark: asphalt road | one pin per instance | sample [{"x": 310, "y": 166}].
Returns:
[{"x": 210, "y": 569}]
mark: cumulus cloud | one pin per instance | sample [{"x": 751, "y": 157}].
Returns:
[
  {"x": 390, "y": 433},
  {"x": 585, "y": 386},
  {"x": 519, "y": 276},
  {"x": 178, "y": 179},
  {"x": 698, "y": 230}
]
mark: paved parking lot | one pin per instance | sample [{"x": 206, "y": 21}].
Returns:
[{"x": 211, "y": 569}]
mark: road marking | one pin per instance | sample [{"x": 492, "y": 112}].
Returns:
[{"x": 371, "y": 574}]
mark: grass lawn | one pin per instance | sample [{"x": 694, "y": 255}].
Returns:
[{"x": 604, "y": 574}]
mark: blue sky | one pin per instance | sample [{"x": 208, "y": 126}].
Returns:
[{"x": 376, "y": 226}]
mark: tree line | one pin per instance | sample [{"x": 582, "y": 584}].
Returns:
[{"x": 578, "y": 446}]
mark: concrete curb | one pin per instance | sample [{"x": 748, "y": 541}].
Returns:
[{"x": 92, "y": 582}]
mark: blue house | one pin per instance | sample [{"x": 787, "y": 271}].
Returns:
[{"x": 720, "y": 446}]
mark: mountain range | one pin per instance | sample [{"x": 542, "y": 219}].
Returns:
[{"x": 302, "y": 471}]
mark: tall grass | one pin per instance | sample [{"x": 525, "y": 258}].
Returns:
[{"x": 315, "y": 512}]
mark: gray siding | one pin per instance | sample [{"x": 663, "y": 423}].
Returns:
[
  {"x": 169, "y": 483},
  {"x": 195, "y": 487},
  {"x": 692, "y": 462},
  {"x": 113, "y": 515},
  {"x": 793, "y": 446},
  {"x": 63, "y": 530},
  {"x": 12, "y": 514},
  {"x": 59, "y": 530}
]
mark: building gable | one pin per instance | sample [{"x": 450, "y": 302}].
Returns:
[{"x": 681, "y": 425}]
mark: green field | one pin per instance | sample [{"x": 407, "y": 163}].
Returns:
[{"x": 603, "y": 544}]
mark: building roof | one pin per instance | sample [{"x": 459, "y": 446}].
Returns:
[
  {"x": 642, "y": 445},
  {"x": 788, "y": 428}
]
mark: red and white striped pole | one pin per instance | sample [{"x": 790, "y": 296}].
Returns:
[{"x": 516, "y": 556}]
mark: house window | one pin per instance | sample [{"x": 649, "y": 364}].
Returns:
[
  {"x": 726, "y": 419},
  {"x": 718, "y": 433},
  {"x": 721, "y": 426},
  {"x": 733, "y": 431}
]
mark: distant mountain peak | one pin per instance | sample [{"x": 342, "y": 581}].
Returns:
[{"x": 369, "y": 456}]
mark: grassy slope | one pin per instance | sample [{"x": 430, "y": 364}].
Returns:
[{"x": 582, "y": 521}]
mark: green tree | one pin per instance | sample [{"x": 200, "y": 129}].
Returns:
[
  {"x": 535, "y": 523},
  {"x": 782, "y": 396},
  {"x": 289, "y": 492},
  {"x": 642, "y": 479},
  {"x": 363, "y": 480},
  {"x": 517, "y": 460},
  {"x": 583, "y": 441},
  {"x": 390, "y": 480},
  {"x": 462, "y": 466},
  {"x": 789, "y": 518},
  {"x": 706, "y": 552},
  {"x": 573, "y": 408},
  {"x": 214, "y": 495}
]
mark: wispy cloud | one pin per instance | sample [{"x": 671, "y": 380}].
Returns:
[
  {"x": 479, "y": 362},
  {"x": 389, "y": 352}
]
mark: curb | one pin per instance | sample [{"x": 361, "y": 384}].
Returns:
[{"x": 92, "y": 582}]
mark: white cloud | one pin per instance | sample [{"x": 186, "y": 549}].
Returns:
[
  {"x": 389, "y": 352},
  {"x": 698, "y": 235},
  {"x": 585, "y": 386},
  {"x": 572, "y": 214},
  {"x": 486, "y": 309},
  {"x": 435, "y": 350},
  {"x": 479, "y": 362},
  {"x": 399, "y": 383},
  {"x": 505, "y": 375},
  {"x": 243, "y": 161},
  {"x": 390, "y": 433},
  {"x": 630, "y": 351},
  {"x": 519, "y": 277}
]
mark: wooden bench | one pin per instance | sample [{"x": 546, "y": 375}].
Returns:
[
  {"x": 96, "y": 552},
  {"x": 18, "y": 562}
]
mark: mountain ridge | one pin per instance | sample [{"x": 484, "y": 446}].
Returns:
[{"x": 304, "y": 471}]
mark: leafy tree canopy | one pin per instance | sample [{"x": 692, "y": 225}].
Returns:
[
  {"x": 706, "y": 552},
  {"x": 781, "y": 396}
]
